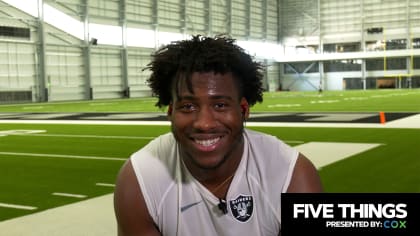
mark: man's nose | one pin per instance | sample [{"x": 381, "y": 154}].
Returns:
[{"x": 205, "y": 119}]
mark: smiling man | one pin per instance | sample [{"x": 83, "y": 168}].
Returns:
[{"x": 210, "y": 175}]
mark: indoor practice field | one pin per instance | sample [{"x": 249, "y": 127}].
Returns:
[{"x": 50, "y": 162}]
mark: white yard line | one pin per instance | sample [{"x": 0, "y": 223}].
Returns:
[
  {"x": 408, "y": 123},
  {"x": 84, "y": 122},
  {"x": 293, "y": 141},
  {"x": 105, "y": 184},
  {"x": 62, "y": 156},
  {"x": 69, "y": 195},
  {"x": 325, "y": 153},
  {"x": 20, "y": 131},
  {"x": 22, "y": 207},
  {"x": 87, "y": 136}
]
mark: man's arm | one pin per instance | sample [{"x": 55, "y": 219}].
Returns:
[
  {"x": 131, "y": 212},
  {"x": 305, "y": 178}
]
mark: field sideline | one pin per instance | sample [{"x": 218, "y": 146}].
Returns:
[
  {"x": 394, "y": 100},
  {"x": 46, "y": 164}
]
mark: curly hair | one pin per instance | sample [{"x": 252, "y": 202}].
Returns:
[{"x": 178, "y": 60}]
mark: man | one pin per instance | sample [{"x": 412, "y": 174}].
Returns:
[{"x": 210, "y": 175}]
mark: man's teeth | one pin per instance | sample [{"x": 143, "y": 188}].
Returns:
[{"x": 207, "y": 142}]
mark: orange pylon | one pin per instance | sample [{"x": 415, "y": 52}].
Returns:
[{"x": 382, "y": 117}]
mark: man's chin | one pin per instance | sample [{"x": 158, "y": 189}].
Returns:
[{"x": 208, "y": 163}]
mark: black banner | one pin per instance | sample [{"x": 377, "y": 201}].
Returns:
[{"x": 351, "y": 214}]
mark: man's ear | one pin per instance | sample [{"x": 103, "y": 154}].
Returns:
[
  {"x": 244, "y": 108},
  {"x": 169, "y": 112}
]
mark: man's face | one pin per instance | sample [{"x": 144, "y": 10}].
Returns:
[{"x": 208, "y": 122}]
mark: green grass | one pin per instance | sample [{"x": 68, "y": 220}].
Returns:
[
  {"x": 30, "y": 180},
  {"x": 407, "y": 100},
  {"x": 146, "y": 104},
  {"x": 391, "y": 167},
  {"x": 342, "y": 101}
]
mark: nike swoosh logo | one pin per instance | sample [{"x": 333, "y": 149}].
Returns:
[{"x": 186, "y": 207}]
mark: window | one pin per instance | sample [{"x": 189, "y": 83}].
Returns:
[
  {"x": 378, "y": 45},
  {"x": 416, "y": 62},
  {"x": 341, "y": 47},
  {"x": 395, "y": 44},
  {"x": 391, "y": 64},
  {"x": 343, "y": 65},
  {"x": 416, "y": 43},
  {"x": 15, "y": 32}
]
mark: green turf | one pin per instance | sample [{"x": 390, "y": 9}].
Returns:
[
  {"x": 342, "y": 101},
  {"x": 391, "y": 167},
  {"x": 29, "y": 180},
  {"x": 395, "y": 100}
]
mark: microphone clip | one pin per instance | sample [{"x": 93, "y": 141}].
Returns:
[{"x": 222, "y": 206}]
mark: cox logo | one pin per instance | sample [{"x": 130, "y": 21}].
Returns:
[{"x": 395, "y": 224}]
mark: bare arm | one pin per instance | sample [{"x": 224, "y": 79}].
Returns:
[
  {"x": 131, "y": 212},
  {"x": 305, "y": 178}
]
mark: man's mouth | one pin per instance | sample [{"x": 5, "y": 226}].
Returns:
[{"x": 207, "y": 142}]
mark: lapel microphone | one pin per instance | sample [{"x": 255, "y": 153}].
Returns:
[{"x": 223, "y": 206}]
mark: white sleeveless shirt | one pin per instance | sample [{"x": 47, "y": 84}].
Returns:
[{"x": 180, "y": 205}]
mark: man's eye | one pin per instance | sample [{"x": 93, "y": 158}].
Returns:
[
  {"x": 220, "y": 105},
  {"x": 187, "y": 107}
]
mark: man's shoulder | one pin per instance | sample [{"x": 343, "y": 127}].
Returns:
[
  {"x": 157, "y": 159},
  {"x": 260, "y": 137},
  {"x": 268, "y": 145},
  {"x": 161, "y": 147},
  {"x": 163, "y": 141}
]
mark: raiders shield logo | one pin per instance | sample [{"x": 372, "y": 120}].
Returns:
[{"x": 242, "y": 207}]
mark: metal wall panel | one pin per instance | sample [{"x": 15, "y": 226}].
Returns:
[
  {"x": 72, "y": 8},
  {"x": 414, "y": 14},
  {"x": 240, "y": 19},
  {"x": 272, "y": 21},
  {"x": 328, "y": 19},
  {"x": 169, "y": 15},
  {"x": 18, "y": 59},
  {"x": 104, "y": 12},
  {"x": 340, "y": 17},
  {"x": 17, "y": 66},
  {"x": 299, "y": 18},
  {"x": 272, "y": 83},
  {"x": 386, "y": 14},
  {"x": 140, "y": 13},
  {"x": 106, "y": 73},
  {"x": 65, "y": 73},
  {"x": 257, "y": 20},
  {"x": 220, "y": 19},
  {"x": 138, "y": 58},
  {"x": 54, "y": 36},
  {"x": 196, "y": 21}
]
